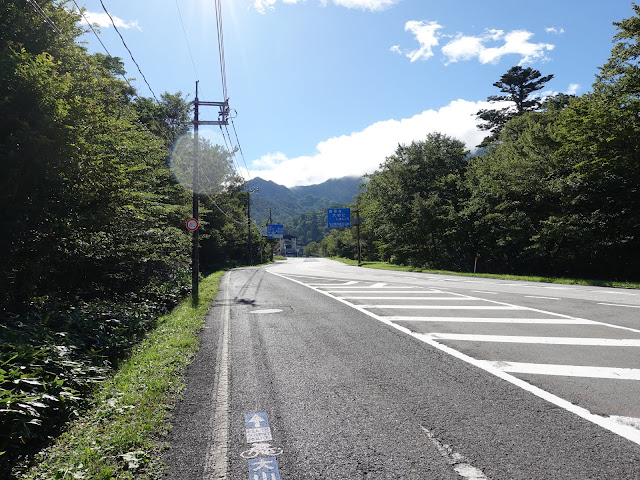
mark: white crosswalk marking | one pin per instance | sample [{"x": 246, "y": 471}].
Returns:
[
  {"x": 567, "y": 370},
  {"x": 525, "y": 325}
]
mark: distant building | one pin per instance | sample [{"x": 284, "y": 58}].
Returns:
[{"x": 289, "y": 246}]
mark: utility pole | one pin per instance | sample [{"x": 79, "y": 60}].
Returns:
[
  {"x": 223, "y": 119},
  {"x": 249, "y": 192}
]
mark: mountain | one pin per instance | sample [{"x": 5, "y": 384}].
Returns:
[{"x": 287, "y": 204}]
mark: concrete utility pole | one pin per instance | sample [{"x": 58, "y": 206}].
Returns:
[
  {"x": 223, "y": 119},
  {"x": 249, "y": 192}
]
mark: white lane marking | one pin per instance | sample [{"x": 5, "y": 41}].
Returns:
[
  {"x": 560, "y": 315},
  {"x": 557, "y": 288},
  {"x": 353, "y": 282},
  {"x": 447, "y": 307},
  {"x": 215, "y": 465},
  {"x": 567, "y": 370},
  {"x": 266, "y": 310},
  {"x": 384, "y": 291},
  {"x": 614, "y": 293},
  {"x": 625, "y": 431},
  {"x": 544, "y": 298},
  {"x": 410, "y": 298},
  {"x": 550, "y": 321},
  {"x": 455, "y": 459},
  {"x": 619, "y": 305},
  {"x": 377, "y": 285},
  {"x": 482, "y": 291},
  {"x": 603, "y": 342}
]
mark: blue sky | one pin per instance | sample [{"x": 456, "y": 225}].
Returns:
[{"x": 328, "y": 88}]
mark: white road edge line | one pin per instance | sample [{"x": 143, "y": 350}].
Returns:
[
  {"x": 544, "y": 298},
  {"x": 626, "y": 431},
  {"x": 216, "y": 460}
]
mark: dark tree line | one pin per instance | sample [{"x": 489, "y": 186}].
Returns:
[
  {"x": 556, "y": 192},
  {"x": 93, "y": 244}
]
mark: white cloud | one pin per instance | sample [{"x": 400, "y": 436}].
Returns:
[
  {"x": 573, "y": 88},
  {"x": 262, "y": 6},
  {"x": 426, "y": 34},
  {"x": 515, "y": 42},
  {"x": 363, "y": 152},
  {"x": 467, "y": 47},
  {"x": 373, "y": 5},
  {"x": 557, "y": 31},
  {"x": 101, "y": 19}
]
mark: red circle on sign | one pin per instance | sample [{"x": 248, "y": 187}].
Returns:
[{"x": 192, "y": 224}]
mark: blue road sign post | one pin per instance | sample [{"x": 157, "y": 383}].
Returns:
[
  {"x": 275, "y": 231},
  {"x": 339, "y": 218}
]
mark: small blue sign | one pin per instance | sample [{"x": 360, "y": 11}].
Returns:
[
  {"x": 264, "y": 469},
  {"x": 339, "y": 218},
  {"x": 275, "y": 231}
]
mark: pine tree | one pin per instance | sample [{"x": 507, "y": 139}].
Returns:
[{"x": 518, "y": 83}]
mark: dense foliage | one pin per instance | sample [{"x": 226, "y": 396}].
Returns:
[
  {"x": 93, "y": 244},
  {"x": 557, "y": 192}
]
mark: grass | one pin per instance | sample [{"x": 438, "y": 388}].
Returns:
[
  {"x": 121, "y": 436},
  {"x": 567, "y": 281}
]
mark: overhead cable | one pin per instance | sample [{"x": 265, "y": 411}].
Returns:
[
  {"x": 187, "y": 40},
  {"x": 128, "y": 50},
  {"x": 99, "y": 39}
]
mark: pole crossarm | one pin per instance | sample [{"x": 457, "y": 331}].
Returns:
[{"x": 223, "y": 114}]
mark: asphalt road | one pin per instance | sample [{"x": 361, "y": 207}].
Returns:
[{"x": 310, "y": 369}]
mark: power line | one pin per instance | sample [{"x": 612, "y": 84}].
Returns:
[
  {"x": 232, "y": 154},
  {"x": 128, "y": 50},
  {"x": 83, "y": 59},
  {"x": 43, "y": 14},
  {"x": 239, "y": 146},
  {"x": 99, "y": 39},
  {"x": 187, "y": 40},
  {"x": 223, "y": 69}
]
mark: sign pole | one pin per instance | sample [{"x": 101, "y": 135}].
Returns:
[{"x": 358, "y": 235}]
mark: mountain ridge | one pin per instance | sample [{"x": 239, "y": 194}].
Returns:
[{"x": 286, "y": 204}]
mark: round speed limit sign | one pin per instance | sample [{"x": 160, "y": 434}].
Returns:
[{"x": 192, "y": 224}]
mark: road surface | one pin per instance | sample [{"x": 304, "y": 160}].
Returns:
[{"x": 311, "y": 369}]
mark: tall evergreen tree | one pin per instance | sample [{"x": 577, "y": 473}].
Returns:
[{"x": 518, "y": 83}]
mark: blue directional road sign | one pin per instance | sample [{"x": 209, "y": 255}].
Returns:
[
  {"x": 339, "y": 218},
  {"x": 275, "y": 231}
]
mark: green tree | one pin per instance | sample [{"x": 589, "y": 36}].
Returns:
[
  {"x": 599, "y": 134},
  {"x": 410, "y": 203},
  {"x": 519, "y": 84},
  {"x": 514, "y": 188}
]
